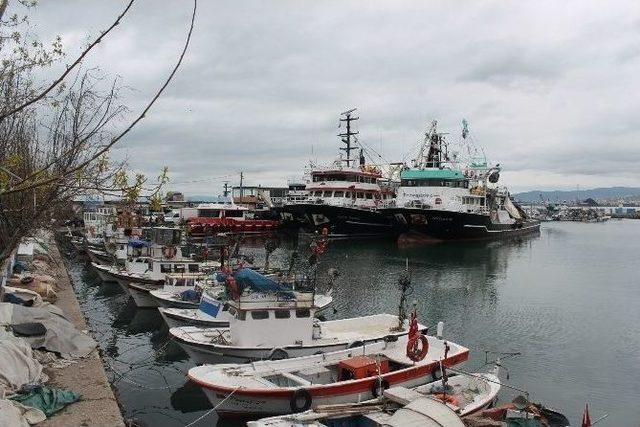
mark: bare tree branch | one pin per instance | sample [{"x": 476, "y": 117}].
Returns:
[
  {"x": 17, "y": 189},
  {"x": 69, "y": 68}
]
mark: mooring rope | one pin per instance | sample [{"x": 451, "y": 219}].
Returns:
[{"x": 213, "y": 409}]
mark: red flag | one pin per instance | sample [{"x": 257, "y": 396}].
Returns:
[
  {"x": 586, "y": 419},
  {"x": 413, "y": 325}
]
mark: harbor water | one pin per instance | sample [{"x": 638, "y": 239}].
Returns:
[{"x": 568, "y": 300}]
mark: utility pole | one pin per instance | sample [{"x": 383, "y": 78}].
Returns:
[
  {"x": 346, "y": 137},
  {"x": 226, "y": 188},
  {"x": 241, "y": 189}
]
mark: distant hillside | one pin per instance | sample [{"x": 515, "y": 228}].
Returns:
[{"x": 595, "y": 193}]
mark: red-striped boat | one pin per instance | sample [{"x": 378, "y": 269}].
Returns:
[{"x": 346, "y": 376}]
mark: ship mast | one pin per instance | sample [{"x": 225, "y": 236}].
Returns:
[
  {"x": 346, "y": 137},
  {"x": 433, "y": 145}
]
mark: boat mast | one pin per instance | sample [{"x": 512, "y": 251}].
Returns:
[
  {"x": 346, "y": 136},
  {"x": 432, "y": 144}
]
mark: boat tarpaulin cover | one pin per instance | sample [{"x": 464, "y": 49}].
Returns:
[
  {"x": 247, "y": 278},
  {"x": 18, "y": 366},
  {"x": 48, "y": 400},
  {"x": 138, "y": 243},
  {"x": 61, "y": 336},
  {"x": 15, "y": 414}
]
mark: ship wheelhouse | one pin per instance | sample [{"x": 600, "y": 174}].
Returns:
[{"x": 348, "y": 187}]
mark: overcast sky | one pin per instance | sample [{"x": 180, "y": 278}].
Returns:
[{"x": 551, "y": 89}]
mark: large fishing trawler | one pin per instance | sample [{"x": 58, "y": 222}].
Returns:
[
  {"x": 445, "y": 197},
  {"x": 345, "y": 197}
]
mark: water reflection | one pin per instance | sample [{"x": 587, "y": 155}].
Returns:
[{"x": 547, "y": 296}]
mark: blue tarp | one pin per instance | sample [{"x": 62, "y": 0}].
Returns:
[
  {"x": 247, "y": 278},
  {"x": 138, "y": 243}
]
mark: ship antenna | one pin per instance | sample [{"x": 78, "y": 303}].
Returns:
[{"x": 346, "y": 137}]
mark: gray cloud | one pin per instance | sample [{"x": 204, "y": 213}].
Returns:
[{"x": 549, "y": 87}]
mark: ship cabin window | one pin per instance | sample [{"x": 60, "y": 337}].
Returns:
[
  {"x": 232, "y": 311},
  {"x": 194, "y": 268},
  {"x": 377, "y": 196},
  {"x": 338, "y": 194},
  {"x": 318, "y": 194},
  {"x": 233, "y": 214},
  {"x": 303, "y": 312},
  {"x": 179, "y": 268},
  {"x": 209, "y": 213},
  {"x": 282, "y": 314},
  {"x": 369, "y": 196},
  {"x": 327, "y": 194},
  {"x": 360, "y": 195},
  {"x": 165, "y": 268},
  {"x": 259, "y": 314},
  {"x": 427, "y": 182},
  {"x": 240, "y": 314}
]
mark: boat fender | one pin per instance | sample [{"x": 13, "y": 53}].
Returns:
[
  {"x": 379, "y": 386},
  {"x": 356, "y": 344},
  {"x": 278, "y": 354},
  {"x": 299, "y": 396},
  {"x": 391, "y": 338},
  {"x": 417, "y": 347}
]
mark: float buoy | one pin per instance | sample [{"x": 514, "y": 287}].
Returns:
[{"x": 417, "y": 347}]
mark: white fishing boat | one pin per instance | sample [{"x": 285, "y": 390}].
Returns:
[
  {"x": 213, "y": 313},
  {"x": 141, "y": 294},
  {"x": 146, "y": 270},
  {"x": 352, "y": 375},
  {"x": 184, "y": 290},
  {"x": 255, "y": 330}
]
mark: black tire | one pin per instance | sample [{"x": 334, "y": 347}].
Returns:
[
  {"x": 300, "y": 395},
  {"x": 278, "y": 354},
  {"x": 356, "y": 344},
  {"x": 379, "y": 386}
]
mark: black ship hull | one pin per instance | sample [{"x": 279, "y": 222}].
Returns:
[
  {"x": 449, "y": 225},
  {"x": 340, "y": 222}
]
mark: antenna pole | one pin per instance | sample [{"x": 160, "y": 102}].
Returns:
[{"x": 346, "y": 136}]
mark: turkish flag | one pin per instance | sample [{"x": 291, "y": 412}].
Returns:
[{"x": 586, "y": 419}]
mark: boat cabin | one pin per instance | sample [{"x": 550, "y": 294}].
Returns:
[
  {"x": 257, "y": 316},
  {"x": 222, "y": 210},
  {"x": 348, "y": 186},
  {"x": 440, "y": 188}
]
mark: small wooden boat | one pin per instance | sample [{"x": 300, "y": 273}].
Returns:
[
  {"x": 422, "y": 412},
  {"x": 184, "y": 290},
  {"x": 346, "y": 376},
  {"x": 461, "y": 394},
  {"x": 100, "y": 256}
]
